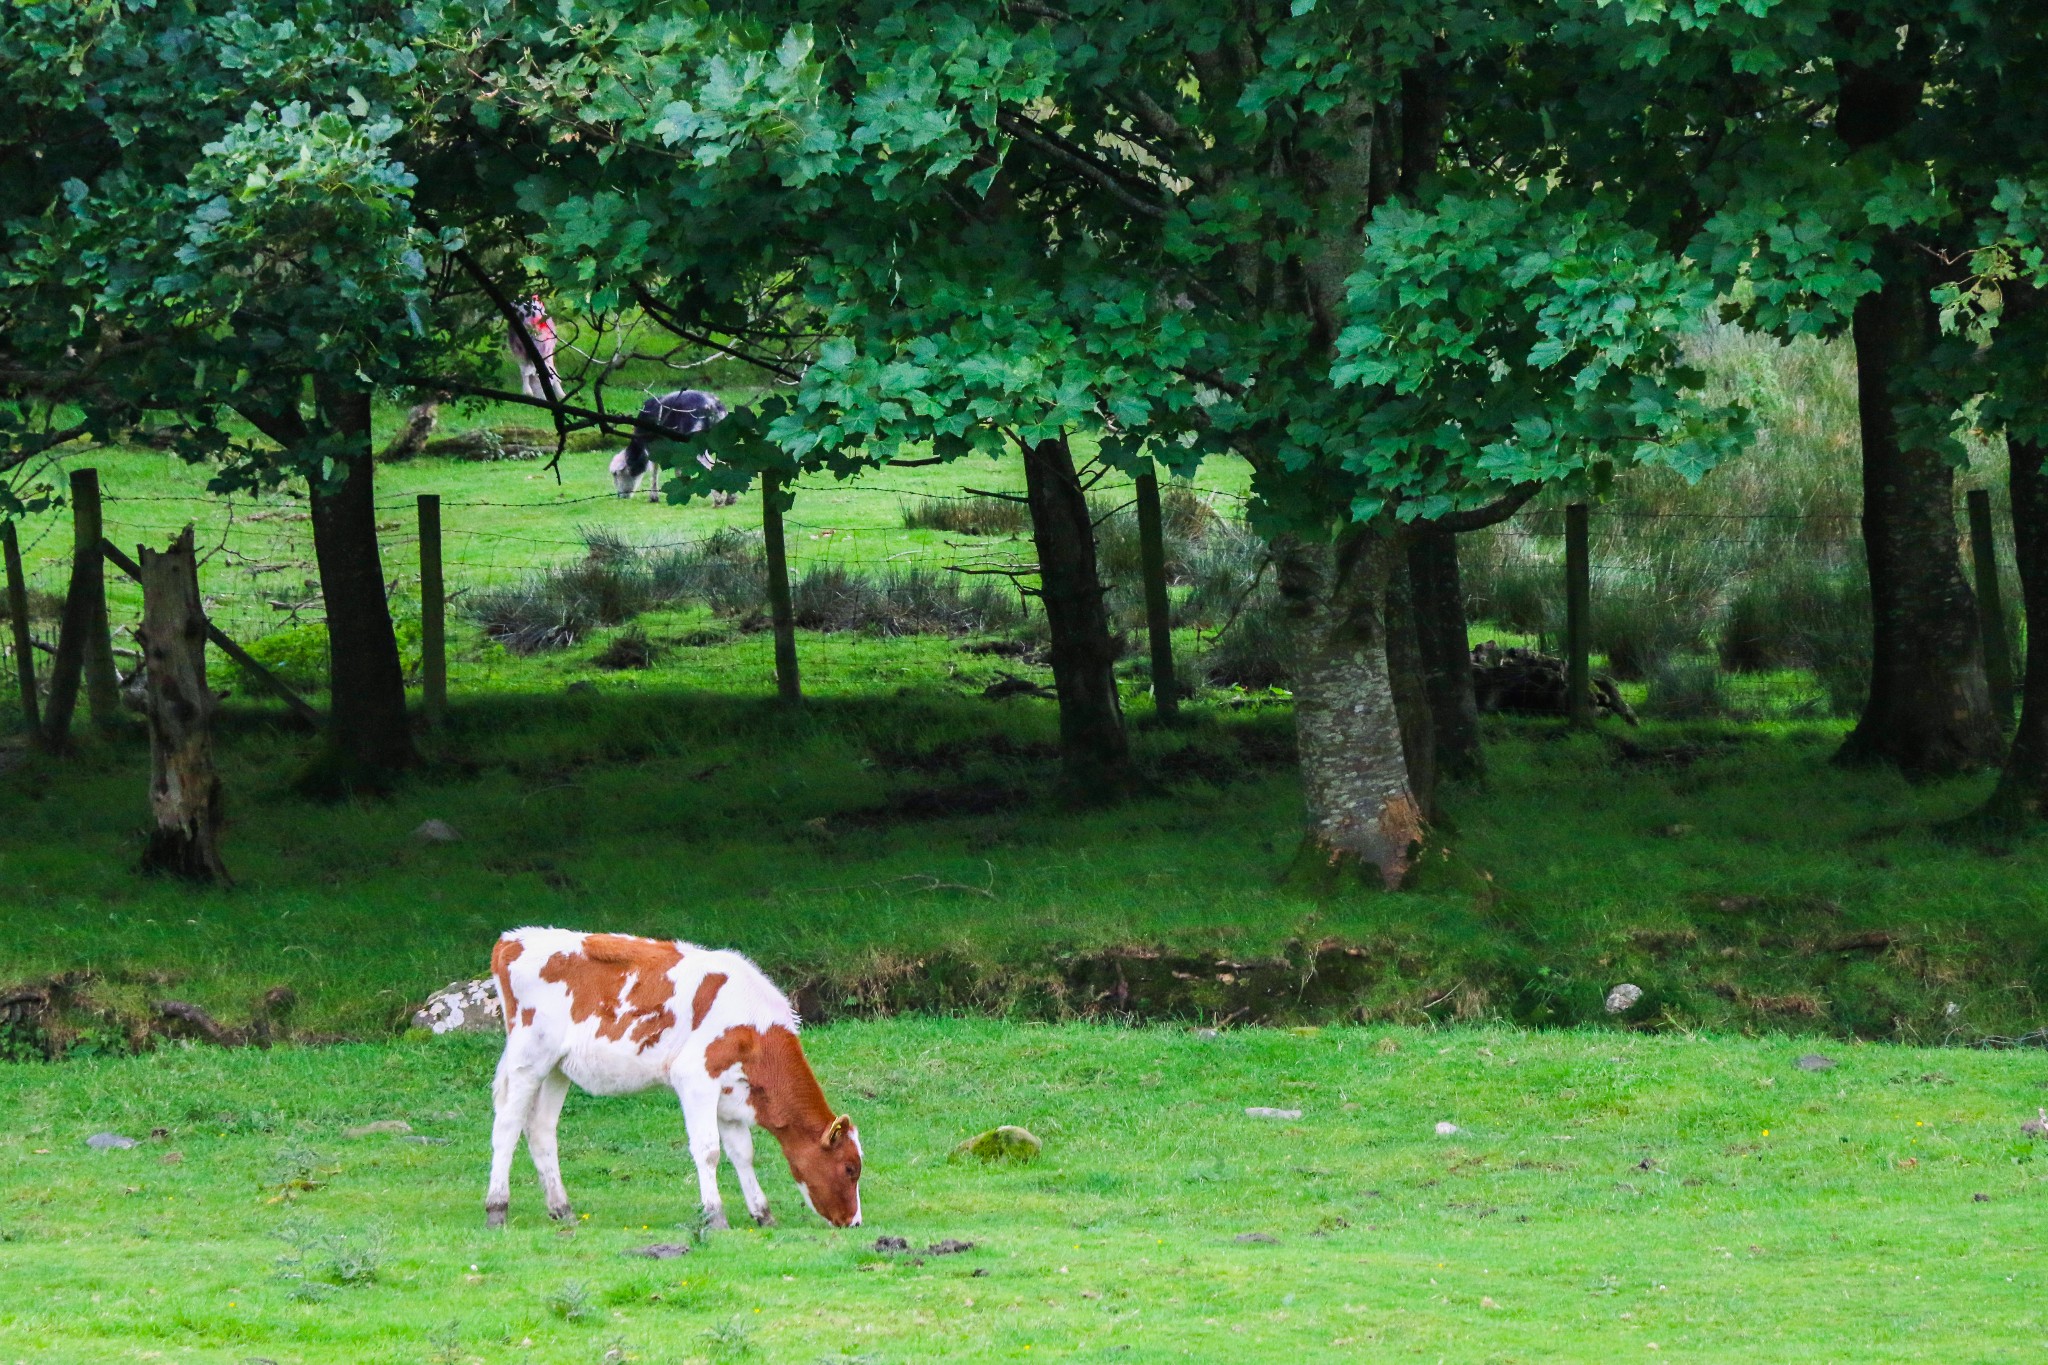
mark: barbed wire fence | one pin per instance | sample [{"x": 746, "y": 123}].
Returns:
[{"x": 1749, "y": 612}]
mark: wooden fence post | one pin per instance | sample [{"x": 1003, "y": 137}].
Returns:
[
  {"x": 1990, "y": 606},
  {"x": 780, "y": 610},
  {"x": 433, "y": 613},
  {"x": 184, "y": 790},
  {"x": 24, "y": 645},
  {"x": 102, "y": 682},
  {"x": 1578, "y": 611},
  {"x": 1158, "y": 609}
]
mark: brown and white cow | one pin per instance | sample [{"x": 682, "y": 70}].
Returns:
[{"x": 617, "y": 1014}]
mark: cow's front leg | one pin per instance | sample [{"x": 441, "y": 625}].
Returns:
[
  {"x": 653, "y": 481},
  {"x": 739, "y": 1148},
  {"x": 700, "y": 1122}
]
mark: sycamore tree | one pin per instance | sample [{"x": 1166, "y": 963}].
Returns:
[
  {"x": 223, "y": 224},
  {"x": 1828, "y": 165},
  {"x": 1179, "y": 232}
]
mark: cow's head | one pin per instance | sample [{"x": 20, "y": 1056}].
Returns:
[{"x": 828, "y": 1173}]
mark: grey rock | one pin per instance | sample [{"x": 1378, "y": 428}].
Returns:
[
  {"x": 1813, "y": 1061},
  {"x": 1263, "y": 1238},
  {"x": 101, "y": 1142},
  {"x": 380, "y": 1126},
  {"x": 660, "y": 1251},
  {"x": 463, "y": 1007},
  {"x": 437, "y": 832},
  {"x": 1260, "y": 1111},
  {"x": 1207, "y": 1034},
  {"x": 1623, "y": 998}
]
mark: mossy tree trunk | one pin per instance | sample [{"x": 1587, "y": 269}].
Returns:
[
  {"x": 2021, "y": 796},
  {"x": 1439, "y": 597},
  {"x": 1362, "y": 812}
]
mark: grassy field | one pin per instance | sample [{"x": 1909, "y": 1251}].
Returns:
[{"x": 1604, "y": 1196}]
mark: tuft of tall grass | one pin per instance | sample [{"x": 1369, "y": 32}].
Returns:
[
  {"x": 616, "y": 581},
  {"x": 971, "y": 515},
  {"x": 912, "y": 601}
]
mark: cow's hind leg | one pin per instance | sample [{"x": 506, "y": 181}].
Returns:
[
  {"x": 700, "y": 1120},
  {"x": 541, "y": 1146},
  {"x": 513, "y": 1093},
  {"x": 739, "y": 1148}
]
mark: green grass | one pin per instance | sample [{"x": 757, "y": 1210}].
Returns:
[{"x": 1604, "y": 1193}]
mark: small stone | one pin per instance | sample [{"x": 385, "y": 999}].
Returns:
[
  {"x": 1005, "y": 1143},
  {"x": 1208, "y": 1034},
  {"x": 380, "y": 1126},
  {"x": 1980, "y": 1199},
  {"x": 889, "y": 1244},
  {"x": 1675, "y": 831},
  {"x": 950, "y": 1246},
  {"x": 1260, "y": 1111},
  {"x": 103, "y": 1142},
  {"x": 582, "y": 687},
  {"x": 660, "y": 1251},
  {"x": 1446, "y": 1128},
  {"x": 1813, "y": 1061},
  {"x": 436, "y": 832},
  {"x": 1623, "y": 998},
  {"x": 1263, "y": 1238}
]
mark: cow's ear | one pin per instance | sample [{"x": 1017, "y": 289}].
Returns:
[{"x": 835, "y": 1132}]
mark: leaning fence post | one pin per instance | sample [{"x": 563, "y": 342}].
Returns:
[
  {"x": 1158, "y": 612},
  {"x": 1990, "y": 607},
  {"x": 433, "y": 613},
  {"x": 24, "y": 644},
  {"x": 102, "y": 683},
  {"x": 780, "y": 609},
  {"x": 1578, "y": 611}
]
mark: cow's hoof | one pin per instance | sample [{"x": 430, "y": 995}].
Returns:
[
  {"x": 714, "y": 1220},
  {"x": 562, "y": 1214},
  {"x": 764, "y": 1219},
  {"x": 494, "y": 1217}
]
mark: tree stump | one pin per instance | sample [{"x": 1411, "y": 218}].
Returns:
[{"x": 184, "y": 791}]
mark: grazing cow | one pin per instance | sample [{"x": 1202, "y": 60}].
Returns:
[
  {"x": 682, "y": 413},
  {"x": 541, "y": 328},
  {"x": 618, "y": 1014}
]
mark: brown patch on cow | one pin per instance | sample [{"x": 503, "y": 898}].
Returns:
[
  {"x": 787, "y": 1100},
  {"x": 526, "y": 1017},
  {"x": 596, "y": 979},
  {"x": 707, "y": 991},
  {"x": 504, "y": 953}
]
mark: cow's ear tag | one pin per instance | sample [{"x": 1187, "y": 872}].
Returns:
[{"x": 835, "y": 1132}]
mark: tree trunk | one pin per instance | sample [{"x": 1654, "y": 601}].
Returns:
[
  {"x": 2022, "y": 793},
  {"x": 184, "y": 791},
  {"x": 1407, "y": 675},
  {"x": 1158, "y": 607},
  {"x": 1093, "y": 745},
  {"x": 781, "y": 611},
  {"x": 1929, "y": 711},
  {"x": 368, "y": 737},
  {"x": 420, "y": 421},
  {"x": 1439, "y": 597},
  {"x": 1361, "y": 812}
]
